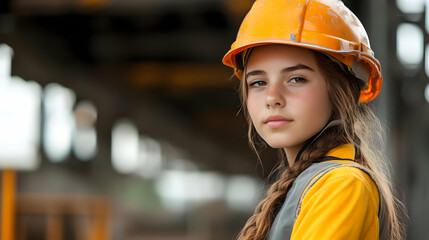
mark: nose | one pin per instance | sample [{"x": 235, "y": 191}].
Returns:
[{"x": 275, "y": 96}]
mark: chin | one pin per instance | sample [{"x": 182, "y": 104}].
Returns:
[
  {"x": 283, "y": 142},
  {"x": 277, "y": 144}
]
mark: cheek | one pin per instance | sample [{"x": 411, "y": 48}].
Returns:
[
  {"x": 252, "y": 107},
  {"x": 318, "y": 106}
]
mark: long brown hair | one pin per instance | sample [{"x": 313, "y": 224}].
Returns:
[{"x": 359, "y": 126}]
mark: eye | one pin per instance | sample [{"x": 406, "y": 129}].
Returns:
[
  {"x": 297, "y": 80},
  {"x": 257, "y": 83}
]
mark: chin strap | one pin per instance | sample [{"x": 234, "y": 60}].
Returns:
[{"x": 315, "y": 137}]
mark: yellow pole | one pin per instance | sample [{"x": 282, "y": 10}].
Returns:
[{"x": 8, "y": 204}]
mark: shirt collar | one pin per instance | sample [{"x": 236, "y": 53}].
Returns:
[{"x": 345, "y": 151}]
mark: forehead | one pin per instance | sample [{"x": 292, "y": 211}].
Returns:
[{"x": 284, "y": 54}]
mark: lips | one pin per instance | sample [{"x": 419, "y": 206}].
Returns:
[{"x": 277, "y": 121}]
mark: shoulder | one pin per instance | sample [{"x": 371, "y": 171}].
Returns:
[
  {"x": 344, "y": 180},
  {"x": 347, "y": 174},
  {"x": 344, "y": 204}
]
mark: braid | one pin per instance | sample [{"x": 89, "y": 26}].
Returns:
[{"x": 257, "y": 227}]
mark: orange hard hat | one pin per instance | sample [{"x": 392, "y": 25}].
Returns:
[{"x": 323, "y": 25}]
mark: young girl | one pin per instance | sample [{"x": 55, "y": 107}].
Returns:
[{"x": 307, "y": 73}]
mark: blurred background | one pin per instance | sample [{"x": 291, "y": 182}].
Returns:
[{"x": 118, "y": 120}]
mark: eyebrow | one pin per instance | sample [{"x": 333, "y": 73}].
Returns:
[
  {"x": 297, "y": 67},
  {"x": 284, "y": 70}
]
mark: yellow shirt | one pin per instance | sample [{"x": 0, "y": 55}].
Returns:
[{"x": 342, "y": 204}]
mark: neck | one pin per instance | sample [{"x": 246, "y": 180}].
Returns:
[{"x": 291, "y": 153}]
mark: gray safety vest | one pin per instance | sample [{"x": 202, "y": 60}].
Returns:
[{"x": 282, "y": 226}]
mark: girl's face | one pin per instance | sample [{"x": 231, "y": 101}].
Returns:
[{"x": 287, "y": 96}]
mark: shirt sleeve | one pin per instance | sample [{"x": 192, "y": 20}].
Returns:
[{"x": 343, "y": 204}]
